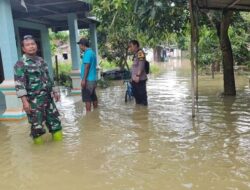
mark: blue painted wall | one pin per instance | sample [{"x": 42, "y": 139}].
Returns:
[
  {"x": 7, "y": 39},
  {"x": 74, "y": 37}
]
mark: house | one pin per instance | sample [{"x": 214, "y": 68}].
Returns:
[{"x": 22, "y": 17}]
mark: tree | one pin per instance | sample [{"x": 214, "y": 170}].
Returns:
[
  {"x": 208, "y": 46},
  {"x": 115, "y": 30},
  {"x": 222, "y": 20},
  {"x": 159, "y": 18},
  {"x": 227, "y": 53},
  {"x": 151, "y": 22},
  {"x": 57, "y": 39},
  {"x": 239, "y": 34}
]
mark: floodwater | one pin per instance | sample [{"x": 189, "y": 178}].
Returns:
[{"x": 126, "y": 147}]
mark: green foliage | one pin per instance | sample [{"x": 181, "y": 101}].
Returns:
[
  {"x": 62, "y": 36},
  {"x": 155, "y": 69},
  {"x": 107, "y": 65},
  {"x": 150, "y": 22},
  {"x": 84, "y": 33},
  {"x": 64, "y": 70},
  {"x": 65, "y": 67},
  {"x": 115, "y": 29},
  {"x": 239, "y": 35},
  {"x": 158, "y": 18},
  {"x": 240, "y": 41},
  {"x": 209, "y": 49},
  {"x": 57, "y": 39},
  {"x": 183, "y": 38},
  {"x": 103, "y": 83},
  {"x": 246, "y": 17},
  {"x": 248, "y": 64}
]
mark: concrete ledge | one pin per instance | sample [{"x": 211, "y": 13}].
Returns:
[
  {"x": 13, "y": 116},
  {"x": 10, "y": 105},
  {"x": 75, "y": 92},
  {"x": 8, "y": 85}
]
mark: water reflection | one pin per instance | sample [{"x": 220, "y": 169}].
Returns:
[{"x": 121, "y": 146}]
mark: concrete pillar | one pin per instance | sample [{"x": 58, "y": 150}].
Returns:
[
  {"x": 47, "y": 50},
  {"x": 94, "y": 45},
  {"x": 75, "y": 53},
  {"x": 13, "y": 108},
  {"x": 93, "y": 38},
  {"x": 7, "y": 39}
]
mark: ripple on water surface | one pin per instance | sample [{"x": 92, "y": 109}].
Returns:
[{"x": 121, "y": 146}]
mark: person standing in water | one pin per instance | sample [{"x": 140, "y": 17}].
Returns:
[
  {"x": 138, "y": 73},
  {"x": 88, "y": 75},
  {"x": 36, "y": 90}
]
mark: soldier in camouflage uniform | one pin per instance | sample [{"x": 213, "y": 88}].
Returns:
[{"x": 36, "y": 90}]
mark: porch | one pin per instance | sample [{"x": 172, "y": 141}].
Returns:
[{"x": 19, "y": 18}]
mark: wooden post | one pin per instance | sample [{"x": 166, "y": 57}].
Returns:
[
  {"x": 212, "y": 69},
  {"x": 193, "y": 45},
  {"x": 57, "y": 71},
  {"x": 196, "y": 37}
]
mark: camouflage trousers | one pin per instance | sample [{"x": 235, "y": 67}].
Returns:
[{"x": 43, "y": 110}]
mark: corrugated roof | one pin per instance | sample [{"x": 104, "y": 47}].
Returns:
[
  {"x": 241, "y": 5},
  {"x": 52, "y": 13}
]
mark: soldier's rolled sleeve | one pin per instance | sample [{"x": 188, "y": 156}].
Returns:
[
  {"x": 20, "y": 79},
  {"x": 21, "y": 93}
]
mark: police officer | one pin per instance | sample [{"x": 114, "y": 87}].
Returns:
[
  {"x": 36, "y": 90},
  {"x": 138, "y": 73}
]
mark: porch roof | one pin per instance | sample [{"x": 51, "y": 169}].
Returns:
[
  {"x": 53, "y": 13},
  {"x": 241, "y": 5}
]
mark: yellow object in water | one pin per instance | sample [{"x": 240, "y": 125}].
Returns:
[
  {"x": 57, "y": 136},
  {"x": 38, "y": 140}
]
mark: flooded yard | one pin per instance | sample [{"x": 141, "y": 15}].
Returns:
[{"x": 121, "y": 146}]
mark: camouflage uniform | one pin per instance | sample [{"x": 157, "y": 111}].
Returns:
[{"x": 32, "y": 80}]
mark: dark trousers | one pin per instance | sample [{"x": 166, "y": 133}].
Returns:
[{"x": 140, "y": 92}]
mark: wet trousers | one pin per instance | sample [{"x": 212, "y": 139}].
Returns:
[
  {"x": 43, "y": 110},
  {"x": 140, "y": 92}
]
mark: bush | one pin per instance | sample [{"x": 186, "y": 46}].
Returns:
[
  {"x": 154, "y": 69},
  {"x": 240, "y": 40},
  {"x": 209, "y": 48},
  {"x": 64, "y": 70},
  {"x": 103, "y": 83},
  {"x": 107, "y": 65},
  {"x": 248, "y": 64}
]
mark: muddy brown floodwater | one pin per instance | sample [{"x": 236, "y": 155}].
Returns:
[{"x": 126, "y": 147}]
